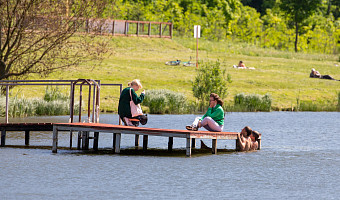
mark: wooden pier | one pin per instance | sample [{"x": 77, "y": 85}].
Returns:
[
  {"x": 118, "y": 130},
  {"x": 84, "y": 129},
  {"x": 26, "y": 127}
]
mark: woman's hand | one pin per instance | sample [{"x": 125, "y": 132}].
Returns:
[
  {"x": 143, "y": 92},
  {"x": 212, "y": 104}
]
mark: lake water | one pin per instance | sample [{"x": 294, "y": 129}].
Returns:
[{"x": 300, "y": 158}]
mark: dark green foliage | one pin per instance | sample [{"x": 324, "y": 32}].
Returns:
[
  {"x": 260, "y": 5},
  {"x": 210, "y": 78}
]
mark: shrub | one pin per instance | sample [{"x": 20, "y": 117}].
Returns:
[
  {"x": 252, "y": 103},
  {"x": 166, "y": 101},
  {"x": 210, "y": 78},
  {"x": 52, "y": 94}
]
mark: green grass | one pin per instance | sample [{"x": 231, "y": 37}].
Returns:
[{"x": 283, "y": 75}]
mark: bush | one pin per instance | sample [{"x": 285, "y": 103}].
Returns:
[
  {"x": 52, "y": 94},
  {"x": 166, "y": 102},
  {"x": 251, "y": 103},
  {"x": 210, "y": 78}
]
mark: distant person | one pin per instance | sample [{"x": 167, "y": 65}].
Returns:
[
  {"x": 213, "y": 120},
  {"x": 244, "y": 140},
  {"x": 124, "y": 109},
  {"x": 316, "y": 74},
  {"x": 241, "y": 65}
]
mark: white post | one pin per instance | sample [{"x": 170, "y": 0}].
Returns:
[{"x": 197, "y": 34}]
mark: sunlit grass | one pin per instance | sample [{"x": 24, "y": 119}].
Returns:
[{"x": 283, "y": 75}]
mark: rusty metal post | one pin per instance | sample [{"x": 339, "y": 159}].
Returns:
[
  {"x": 7, "y": 99},
  {"x": 71, "y": 111},
  {"x": 80, "y": 100},
  {"x": 89, "y": 105},
  {"x": 120, "y": 92},
  {"x": 93, "y": 104},
  {"x": 97, "y": 102}
]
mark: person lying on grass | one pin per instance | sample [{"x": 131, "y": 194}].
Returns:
[
  {"x": 213, "y": 120},
  {"x": 316, "y": 74}
]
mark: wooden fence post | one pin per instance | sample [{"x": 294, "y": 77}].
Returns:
[
  {"x": 137, "y": 29},
  {"x": 160, "y": 30},
  {"x": 149, "y": 29},
  {"x": 113, "y": 27}
]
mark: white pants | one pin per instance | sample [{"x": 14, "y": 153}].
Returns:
[{"x": 208, "y": 123}]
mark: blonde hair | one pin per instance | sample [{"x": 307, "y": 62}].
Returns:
[{"x": 135, "y": 82}]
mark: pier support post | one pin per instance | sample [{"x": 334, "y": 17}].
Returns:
[
  {"x": 95, "y": 140},
  {"x": 79, "y": 140},
  {"x": 27, "y": 138},
  {"x": 3, "y": 138},
  {"x": 117, "y": 142},
  {"x": 214, "y": 146},
  {"x": 145, "y": 142},
  {"x": 188, "y": 147},
  {"x": 237, "y": 145},
  {"x": 85, "y": 140},
  {"x": 71, "y": 135},
  {"x": 114, "y": 142},
  {"x": 55, "y": 140},
  {"x": 136, "y": 140},
  {"x": 170, "y": 143},
  {"x": 193, "y": 143}
]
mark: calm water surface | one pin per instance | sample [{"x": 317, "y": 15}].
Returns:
[{"x": 300, "y": 159}]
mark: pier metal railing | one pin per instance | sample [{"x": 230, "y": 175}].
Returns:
[{"x": 95, "y": 95}]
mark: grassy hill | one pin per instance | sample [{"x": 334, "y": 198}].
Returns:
[{"x": 283, "y": 75}]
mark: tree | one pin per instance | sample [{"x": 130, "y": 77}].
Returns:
[
  {"x": 36, "y": 36},
  {"x": 297, "y": 11},
  {"x": 210, "y": 78}
]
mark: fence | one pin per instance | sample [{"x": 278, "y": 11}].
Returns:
[{"x": 106, "y": 26}]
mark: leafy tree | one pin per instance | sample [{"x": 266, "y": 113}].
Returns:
[
  {"x": 210, "y": 78},
  {"x": 35, "y": 37},
  {"x": 298, "y": 11}
]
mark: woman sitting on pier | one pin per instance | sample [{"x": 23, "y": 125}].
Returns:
[
  {"x": 124, "y": 109},
  {"x": 213, "y": 120}
]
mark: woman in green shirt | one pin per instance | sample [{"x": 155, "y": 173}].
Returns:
[
  {"x": 124, "y": 109},
  {"x": 213, "y": 120}
]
